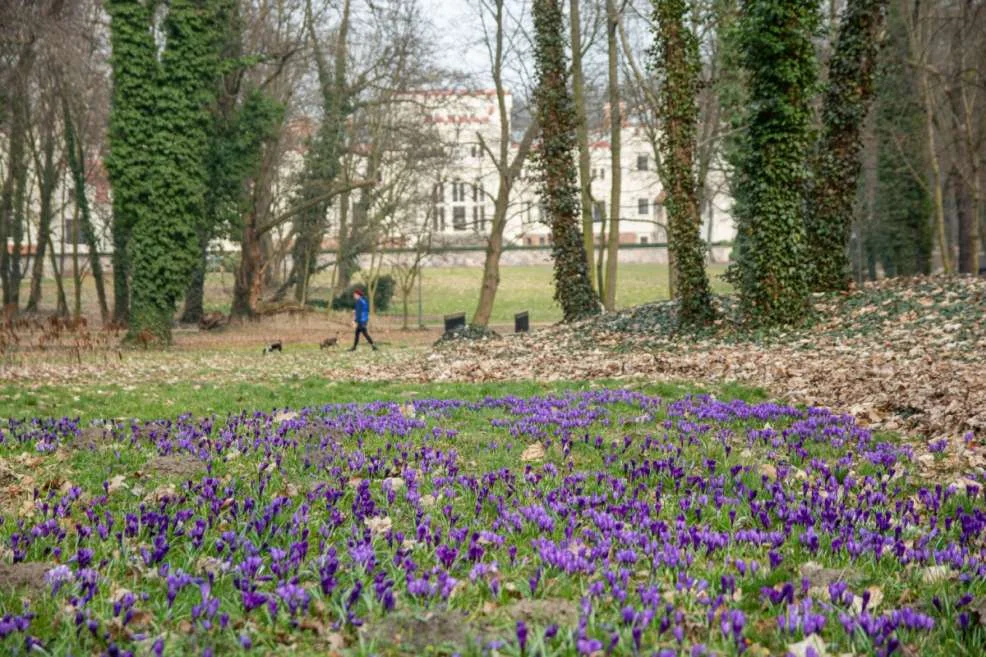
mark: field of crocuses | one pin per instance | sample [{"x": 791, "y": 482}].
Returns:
[{"x": 585, "y": 523}]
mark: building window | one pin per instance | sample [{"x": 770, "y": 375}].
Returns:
[
  {"x": 475, "y": 150},
  {"x": 602, "y": 174},
  {"x": 459, "y": 217},
  {"x": 643, "y": 239},
  {"x": 642, "y": 163},
  {"x": 73, "y": 232},
  {"x": 482, "y": 218},
  {"x": 643, "y": 207},
  {"x": 441, "y": 219},
  {"x": 458, "y": 192},
  {"x": 599, "y": 211},
  {"x": 541, "y": 241},
  {"x": 542, "y": 212},
  {"x": 527, "y": 210},
  {"x": 438, "y": 193}
]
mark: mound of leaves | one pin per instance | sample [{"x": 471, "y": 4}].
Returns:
[{"x": 903, "y": 355}]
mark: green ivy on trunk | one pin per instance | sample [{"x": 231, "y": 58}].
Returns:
[
  {"x": 775, "y": 40},
  {"x": 675, "y": 59},
  {"x": 556, "y": 159},
  {"x": 832, "y": 193}
]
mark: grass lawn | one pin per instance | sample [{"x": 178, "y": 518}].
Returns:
[
  {"x": 447, "y": 290},
  {"x": 517, "y": 519}
]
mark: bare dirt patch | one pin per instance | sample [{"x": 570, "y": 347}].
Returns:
[
  {"x": 544, "y": 611},
  {"x": 176, "y": 465},
  {"x": 415, "y": 634},
  {"x": 25, "y": 575}
]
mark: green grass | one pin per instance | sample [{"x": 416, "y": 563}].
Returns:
[
  {"x": 168, "y": 400},
  {"x": 447, "y": 290}
]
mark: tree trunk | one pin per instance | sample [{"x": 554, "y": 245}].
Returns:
[
  {"x": 507, "y": 175},
  {"x": 582, "y": 134},
  {"x": 491, "y": 273},
  {"x": 559, "y": 187},
  {"x": 616, "y": 179},
  {"x": 248, "y": 281},
  {"x": 47, "y": 173},
  {"x": 679, "y": 67},
  {"x": 968, "y": 260},
  {"x": 61, "y": 309},
  {"x": 831, "y": 200},
  {"x": 195, "y": 296}
]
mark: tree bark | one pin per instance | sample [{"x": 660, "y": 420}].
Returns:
[
  {"x": 61, "y": 308},
  {"x": 47, "y": 174},
  {"x": 195, "y": 295},
  {"x": 679, "y": 66},
  {"x": 616, "y": 179},
  {"x": 74, "y": 153},
  {"x": 582, "y": 135}
]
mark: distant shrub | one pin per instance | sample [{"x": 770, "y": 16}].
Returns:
[{"x": 382, "y": 296}]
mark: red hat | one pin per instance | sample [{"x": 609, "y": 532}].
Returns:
[{"x": 358, "y": 292}]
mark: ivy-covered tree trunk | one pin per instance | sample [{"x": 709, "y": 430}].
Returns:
[
  {"x": 779, "y": 56},
  {"x": 556, "y": 159},
  {"x": 676, "y": 60},
  {"x": 134, "y": 68},
  {"x": 832, "y": 193},
  {"x": 172, "y": 123}
]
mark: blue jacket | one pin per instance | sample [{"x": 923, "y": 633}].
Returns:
[{"x": 362, "y": 311}]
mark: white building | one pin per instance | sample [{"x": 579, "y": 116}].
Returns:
[{"x": 463, "y": 194}]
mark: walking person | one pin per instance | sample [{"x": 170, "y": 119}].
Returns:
[{"x": 361, "y": 316}]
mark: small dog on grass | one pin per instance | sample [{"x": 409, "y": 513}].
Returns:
[
  {"x": 328, "y": 342},
  {"x": 273, "y": 346}
]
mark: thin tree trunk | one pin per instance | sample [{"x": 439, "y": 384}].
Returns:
[
  {"x": 47, "y": 175},
  {"x": 76, "y": 270},
  {"x": 62, "y": 305},
  {"x": 73, "y": 151},
  {"x": 582, "y": 135},
  {"x": 616, "y": 179},
  {"x": 937, "y": 182}
]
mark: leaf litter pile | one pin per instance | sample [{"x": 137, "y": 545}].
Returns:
[
  {"x": 596, "y": 523},
  {"x": 900, "y": 355}
]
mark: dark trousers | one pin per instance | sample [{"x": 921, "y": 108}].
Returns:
[{"x": 361, "y": 328}]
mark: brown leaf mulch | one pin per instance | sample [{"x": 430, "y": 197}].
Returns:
[{"x": 900, "y": 355}]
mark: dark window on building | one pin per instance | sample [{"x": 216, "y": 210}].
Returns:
[
  {"x": 438, "y": 193},
  {"x": 642, "y": 163},
  {"x": 459, "y": 217},
  {"x": 599, "y": 210},
  {"x": 643, "y": 239},
  {"x": 643, "y": 207},
  {"x": 73, "y": 232}
]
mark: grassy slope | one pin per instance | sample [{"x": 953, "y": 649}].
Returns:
[{"x": 167, "y": 400}]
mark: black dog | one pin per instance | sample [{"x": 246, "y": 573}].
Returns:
[
  {"x": 273, "y": 346},
  {"x": 328, "y": 342}
]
